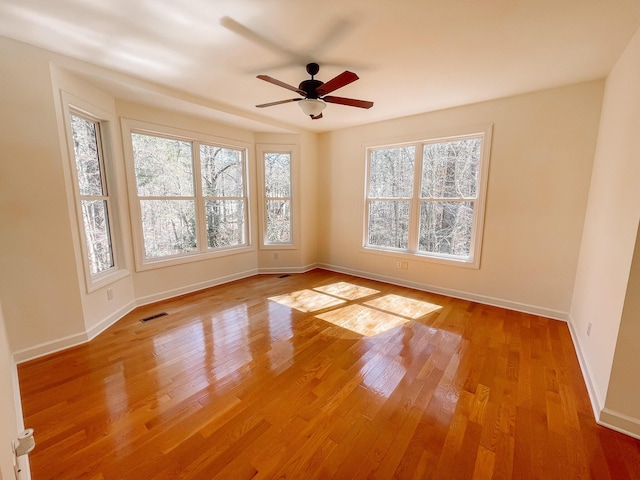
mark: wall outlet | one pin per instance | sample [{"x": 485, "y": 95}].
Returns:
[
  {"x": 589, "y": 329},
  {"x": 109, "y": 293},
  {"x": 275, "y": 255},
  {"x": 404, "y": 265},
  {"x": 398, "y": 264}
]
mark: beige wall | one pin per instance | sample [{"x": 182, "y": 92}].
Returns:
[
  {"x": 610, "y": 235},
  {"x": 39, "y": 287},
  {"x": 623, "y": 396},
  {"x": 541, "y": 158}
]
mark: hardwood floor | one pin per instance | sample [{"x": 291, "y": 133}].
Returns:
[{"x": 233, "y": 385}]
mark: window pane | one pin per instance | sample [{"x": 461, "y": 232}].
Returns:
[
  {"x": 278, "y": 221},
  {"x": 163, "y": 167},
  {"x": 85, "y": 148},
  {"x": 389, "y": 223},
  {"x": 168, "y": 227},
  {"x": 277, "y": 174},
  {"x": 96, "y": 230},
  {"x": 450, "y": 169},
  {"x": 225, "y": 223},
  {"x": 221, "y": 172},
  {"x": 445, "y": 228},
  {"x": 391, "y": 173}
]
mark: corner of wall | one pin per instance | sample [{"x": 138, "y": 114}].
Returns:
[{"x": 596, "y": 402}]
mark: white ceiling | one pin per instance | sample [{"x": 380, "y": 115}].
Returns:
[{"x": 412, "y": 56}]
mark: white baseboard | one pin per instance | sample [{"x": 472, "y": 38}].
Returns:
[
  {"x": 277, "y": 270},
  {"x": 77, "y": 339},
  {"x": 48, "y": 348},
  {"x": 69, "y": 341},
  {"x": 604, "y": 416},
  {"x": 620, "y": 422},
  {"x": 97, "y": 329},
  {"x": 597, "y": 403},
  {"x": 486, "y": 300},
  {"x": 194, "y": 287}
]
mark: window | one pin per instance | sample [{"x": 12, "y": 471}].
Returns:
[
  {"x": 88, "y": 147},
  {"x": 427, "y": 198},
  {"x": 277, "y": 165},
  {"x": 224, "y": 198},
  {"x": 192, "y": 195},
  {"x": 277, "y": 179},
  {"x": 92, "y": 187}
]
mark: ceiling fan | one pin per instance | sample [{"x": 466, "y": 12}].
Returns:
[{"x": 315, "y": 92}]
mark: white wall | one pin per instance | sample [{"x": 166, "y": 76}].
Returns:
[
  {"x": 541, "y": 159},
  {"x": 610, "y": 230}
]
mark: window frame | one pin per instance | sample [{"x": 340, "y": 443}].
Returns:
[
  {"x": 292, "y": 150},
  {"x": 74, "y": 106},
  {"x": 415, "y": 201},
  {"x": 203, "y": 252}
]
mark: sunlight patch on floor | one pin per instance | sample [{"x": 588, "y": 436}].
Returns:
[
  {"x": 307, "y": 300},
  {"x": 407, "y": 307},
  {"x": 348, "y": 291},
  {"x": 363, "y": 320}
]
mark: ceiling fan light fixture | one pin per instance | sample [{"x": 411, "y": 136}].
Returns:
[{"x": 312, "y": 106}]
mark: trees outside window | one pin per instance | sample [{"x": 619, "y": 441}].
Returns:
[
  {"x": 164, "y": 182},
  {"x": 277, "y": 201},
  {"x": 191, "y": 195},
  {"x": 277, "y": 187},
  {"x": 222, "y": 173},
  {"x": 427, "y": 198},
  {"x": 92, "y": 192}
]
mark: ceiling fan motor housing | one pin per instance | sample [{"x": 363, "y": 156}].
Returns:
[{"x": 309, "y": 87}]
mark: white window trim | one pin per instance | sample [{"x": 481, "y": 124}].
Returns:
[
  {"x": 130, "y": 126},
  {"x": 485, "y": 131},
  {"x": 107, "y": 122},
  {"x": 262, "y": 149}
]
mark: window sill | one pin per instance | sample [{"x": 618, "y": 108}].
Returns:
[
  {"x": 189, "y": 258},
  {"x": 420, "y": 257},
  {"x": 278, "y": 246},
  {"x": 105, "y": 279}
]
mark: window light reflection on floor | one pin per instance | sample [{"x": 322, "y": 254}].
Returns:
[
  {"x": 407, "y": 307},
  {"x": 363, "y": 320},
  {"x": 371, "y": 318},
  {"x": 347, "y": 290},
  {"x": 307, "y": 300}
]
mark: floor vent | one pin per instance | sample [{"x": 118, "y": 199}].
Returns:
[
  {"x": 157, "y": 315},
  {"x": 284, "y": 276}
]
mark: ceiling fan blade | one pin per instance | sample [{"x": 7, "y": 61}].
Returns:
[
  {"x": 271, "y": 104},
  {"x": 337, "y": 30},
  {"x": 352, "y": 102},
  {"x": 345, "y": 78},
  {"x": 269, "y": 79},
  {"x": 258, "y": 39}
]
